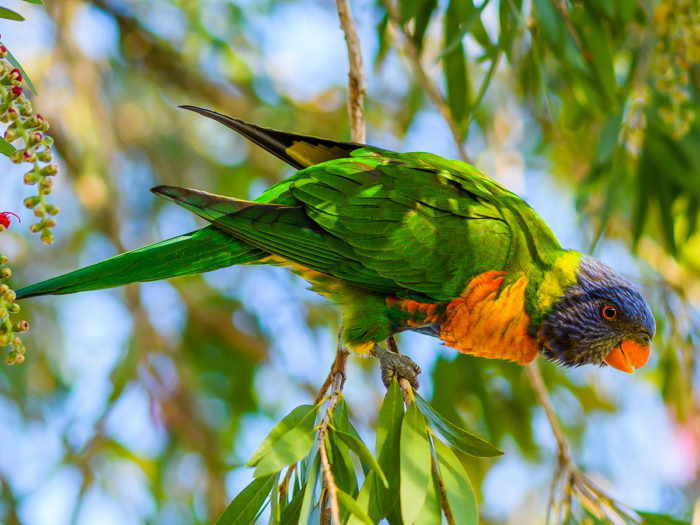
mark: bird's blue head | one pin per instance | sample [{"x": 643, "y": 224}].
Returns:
[{"x": 601, "y": 319}]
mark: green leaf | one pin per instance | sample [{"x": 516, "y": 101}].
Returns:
[
  {"x": 651, "y": 518},
  {"x": 367, "y": 500},
  {"x": 301, "y": 417},
  {"x": 290, "y": 513},
  {"x": 38, "y": 2},
  {"x": 459, "y": 491},
  {"x": 415, "y": 463},
  {"x": 598, "y": 52},
  {"x": 341, "y": 464},
  {"x": 247, "y": 504},
  {"x": 26, "y": 78},
  {"x": 341, "y": 419},
  {"x": 6, "y": 148},
  {"x": 10, "y": 15},
  {"x": 422, "y": 19},
  {"x": 455, "y": 65},
  {"x": 470, "y": 15},
  {"x": 347, "y": 501},
  {"x": 431, "y": 511},
  {"x": 455, "y": 436},
  {"x": 359, "y": 448},
  {"x": 290, "y": 448},
  {"x": 307, "y": 502},
  {"x": 387, "y": 447},
  {"x": 549, "y": 20},
  {"x": 390, "y": 415}
]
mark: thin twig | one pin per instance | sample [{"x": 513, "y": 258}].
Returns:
[
  {"x": 338, "y": 379},
  {"x": 329, "y": 481},
  {"x": 443, "y": 493},
  {"x": 357, "y": 85},
  {"x": 411, "y": 51},
  {"x": 533, "y": 373}
]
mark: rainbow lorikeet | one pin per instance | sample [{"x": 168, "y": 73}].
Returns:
[{"x": 402, "y": 241}]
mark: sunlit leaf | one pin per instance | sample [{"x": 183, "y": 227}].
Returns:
[
  {"x": 38, "y": 2},
  {"x": 290, "y": 448},
  {"x": 10, "y": 15},
  {"x": 651, "y": 518},
  {"x": 307, "y": 502},
  {"x": 367, "y": 500},
  {"x": 391, "y": 415},
  {"x": 247, "y": 504},
  {"x": 25, "y": 76},
  {"x": 359, "y": 448},
  {"x": 347, "y": 501},
  {"x": 415, "y": 463},
  {"x": 6, "y": 148},
  {"x": 301, "y": 418},
  {"x": 458, "y": 489},
  {"x": 457, "y": 437},
  {"x": 431, "y": 511}
]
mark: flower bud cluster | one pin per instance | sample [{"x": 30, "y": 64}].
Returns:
[
  {"x": 8, "y": 331},
  {"x": 27, "y": 133},
  {"x": 677, "y": 25}
]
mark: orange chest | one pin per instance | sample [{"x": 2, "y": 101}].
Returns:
[{"x": 487, "y": 320}]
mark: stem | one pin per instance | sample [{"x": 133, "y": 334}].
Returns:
[
  {"x": 411, "y": 51},
  {"x": 357, "y": 85},
  {"x": 329, "y": 481},
  {"x": 533, "y": 373}
]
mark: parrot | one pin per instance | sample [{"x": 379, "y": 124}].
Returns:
[{"x": 401, "y": 242}]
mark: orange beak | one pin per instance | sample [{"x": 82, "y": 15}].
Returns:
[{"x": 628, "y": 356}]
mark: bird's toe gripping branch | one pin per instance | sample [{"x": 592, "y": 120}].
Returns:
[{"x": 396, "y": 365}]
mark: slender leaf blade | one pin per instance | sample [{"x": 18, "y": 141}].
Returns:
[
  {"x": 347, "y": 501},
  {"x": 246, "y": 505},
  {"x": 388, "y": 436},
  {"x": 415, "y": 463},
  {"x": 290, "y": 448},
  {"x": 651, "y": 518},
  {"x": 300, "y": 417},
  {"x": 455, "y": 436},
  {"x": 359, "y": 448},
  {"x": 9, "y": 14},
  {"x": 6, "y": 148},
  {"x": 25, "y": 76},
  {"x": 431, "y": 511},
  {"x": 307, "y": 502},
  {"x": 459, "y": 491}
]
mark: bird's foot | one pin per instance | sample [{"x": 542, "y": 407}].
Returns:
[{"x": 396, "y": 365}]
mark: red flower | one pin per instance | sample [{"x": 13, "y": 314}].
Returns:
[{"x": 5, "y": 218}]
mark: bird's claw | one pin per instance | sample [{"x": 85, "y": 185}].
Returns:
[{"x": 396, "y": 365}]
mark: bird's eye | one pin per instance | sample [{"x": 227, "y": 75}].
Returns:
[{"x": 609, "y": 312}]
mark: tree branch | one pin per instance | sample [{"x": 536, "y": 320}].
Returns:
[
  {"x": 411, "y": 52},
  {"x": 357, "y": 85},
  {"x": 338, "y": 381}
]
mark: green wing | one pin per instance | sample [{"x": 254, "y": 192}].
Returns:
[
  {"x": 204, "y": 250},
  {"x": 407, "y": 224}
]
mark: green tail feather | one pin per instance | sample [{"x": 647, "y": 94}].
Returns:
[{"x": 196, "y": 252}]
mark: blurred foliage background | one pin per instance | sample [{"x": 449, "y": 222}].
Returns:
[{"x": 142, "y": 404}]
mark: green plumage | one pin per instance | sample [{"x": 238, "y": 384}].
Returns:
[
  {"x": 402, "y": 241},
  {"x": 368, "y": 223}
]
